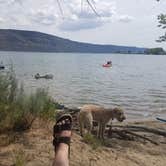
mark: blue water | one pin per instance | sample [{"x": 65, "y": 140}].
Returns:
[{"x": 136, "y": 83}]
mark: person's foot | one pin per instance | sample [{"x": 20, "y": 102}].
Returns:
[{"x": 62, "y": 132}]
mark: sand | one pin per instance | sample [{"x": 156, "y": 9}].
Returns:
[{"x": 34, "y": 148}]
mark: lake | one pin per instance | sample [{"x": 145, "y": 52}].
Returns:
[{"x": 136, "y": 83}]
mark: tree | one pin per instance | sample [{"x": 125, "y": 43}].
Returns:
[
  {"x": 162, "y": 24},
  {"x": 155, "y": 51}
]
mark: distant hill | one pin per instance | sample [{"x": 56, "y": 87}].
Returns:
[{"x": 19, "y": 40}]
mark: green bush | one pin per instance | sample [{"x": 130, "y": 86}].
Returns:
[
  {"x": 92, "y": 140},
  {"x": 42, "y": 105},
  {"x": 17, "y": 109},
  {"x": 19, "y": 158}
]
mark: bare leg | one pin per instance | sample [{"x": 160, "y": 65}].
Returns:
[
  {"x": 61, "y": 156},
  {"x": 62, "y": 151}
]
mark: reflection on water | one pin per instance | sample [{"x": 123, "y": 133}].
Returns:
[{"x": 135, "y": 82}]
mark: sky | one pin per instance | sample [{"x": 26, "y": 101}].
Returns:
[{"x": 119, "y": 22}]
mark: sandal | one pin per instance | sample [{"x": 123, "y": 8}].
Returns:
[{"x": 64, "y": 122}]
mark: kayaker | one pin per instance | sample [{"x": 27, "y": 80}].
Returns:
[{"x": 109, "y": 62}]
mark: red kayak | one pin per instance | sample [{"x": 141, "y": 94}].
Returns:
[{"x": 107, "y": 65}]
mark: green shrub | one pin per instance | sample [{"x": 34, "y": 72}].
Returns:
[
  {"x": 17, "y": 109},
  {"x": 42, "y": 105},
  {"x": 92, "y": 140},
  {"x": 19, "y": 158}
]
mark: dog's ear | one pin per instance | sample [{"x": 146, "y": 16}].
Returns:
[{"x": 114, "y": 110}]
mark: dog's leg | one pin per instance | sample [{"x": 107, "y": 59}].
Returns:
[
  {"x": 82, "y": 129},
  {"x": 89, "y": 122},
  {"x": 98, "y": 133},
  {"x": 102, "y": 130},
  {"x": 81, "y": 124}
]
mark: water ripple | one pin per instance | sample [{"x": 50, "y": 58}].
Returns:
[{"x": 135, "y": 83}]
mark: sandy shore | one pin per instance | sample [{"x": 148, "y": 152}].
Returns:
[{"x": 34, "y": 148}]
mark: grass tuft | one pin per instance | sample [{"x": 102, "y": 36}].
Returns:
[
  {"x": 92, "y": 140},
  {"x": 19, "y": 158}
]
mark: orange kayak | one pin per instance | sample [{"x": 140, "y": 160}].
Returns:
[{"x": 107, "y": 65}]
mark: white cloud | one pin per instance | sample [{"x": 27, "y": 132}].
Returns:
[
  {"x": 79, "y": 24},
  {"x": 73, "y": 17},
  {"x": 8, "y": 2},
  {"x": 125, "y": 18},
  {"x": 85, "y": 18},
  {"x": 5, "y": 1},
  {"x": 43, "y": 16}
]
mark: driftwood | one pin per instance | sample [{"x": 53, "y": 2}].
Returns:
[
  {"x": 128, "y": 135},
  {"x": 140, "y": 136},
  {"x": 120, "y": 133},
  {"x": 142, "y": 128}
]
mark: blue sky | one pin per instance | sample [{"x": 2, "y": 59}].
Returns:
[{"x": 121, "y": 22}]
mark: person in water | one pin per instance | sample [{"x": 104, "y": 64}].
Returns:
[{"x": 109, "y": 62}]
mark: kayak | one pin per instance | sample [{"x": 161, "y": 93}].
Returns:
[
  {"x": 162, "y": 120},
  {"x": 107, "y": 65}
]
